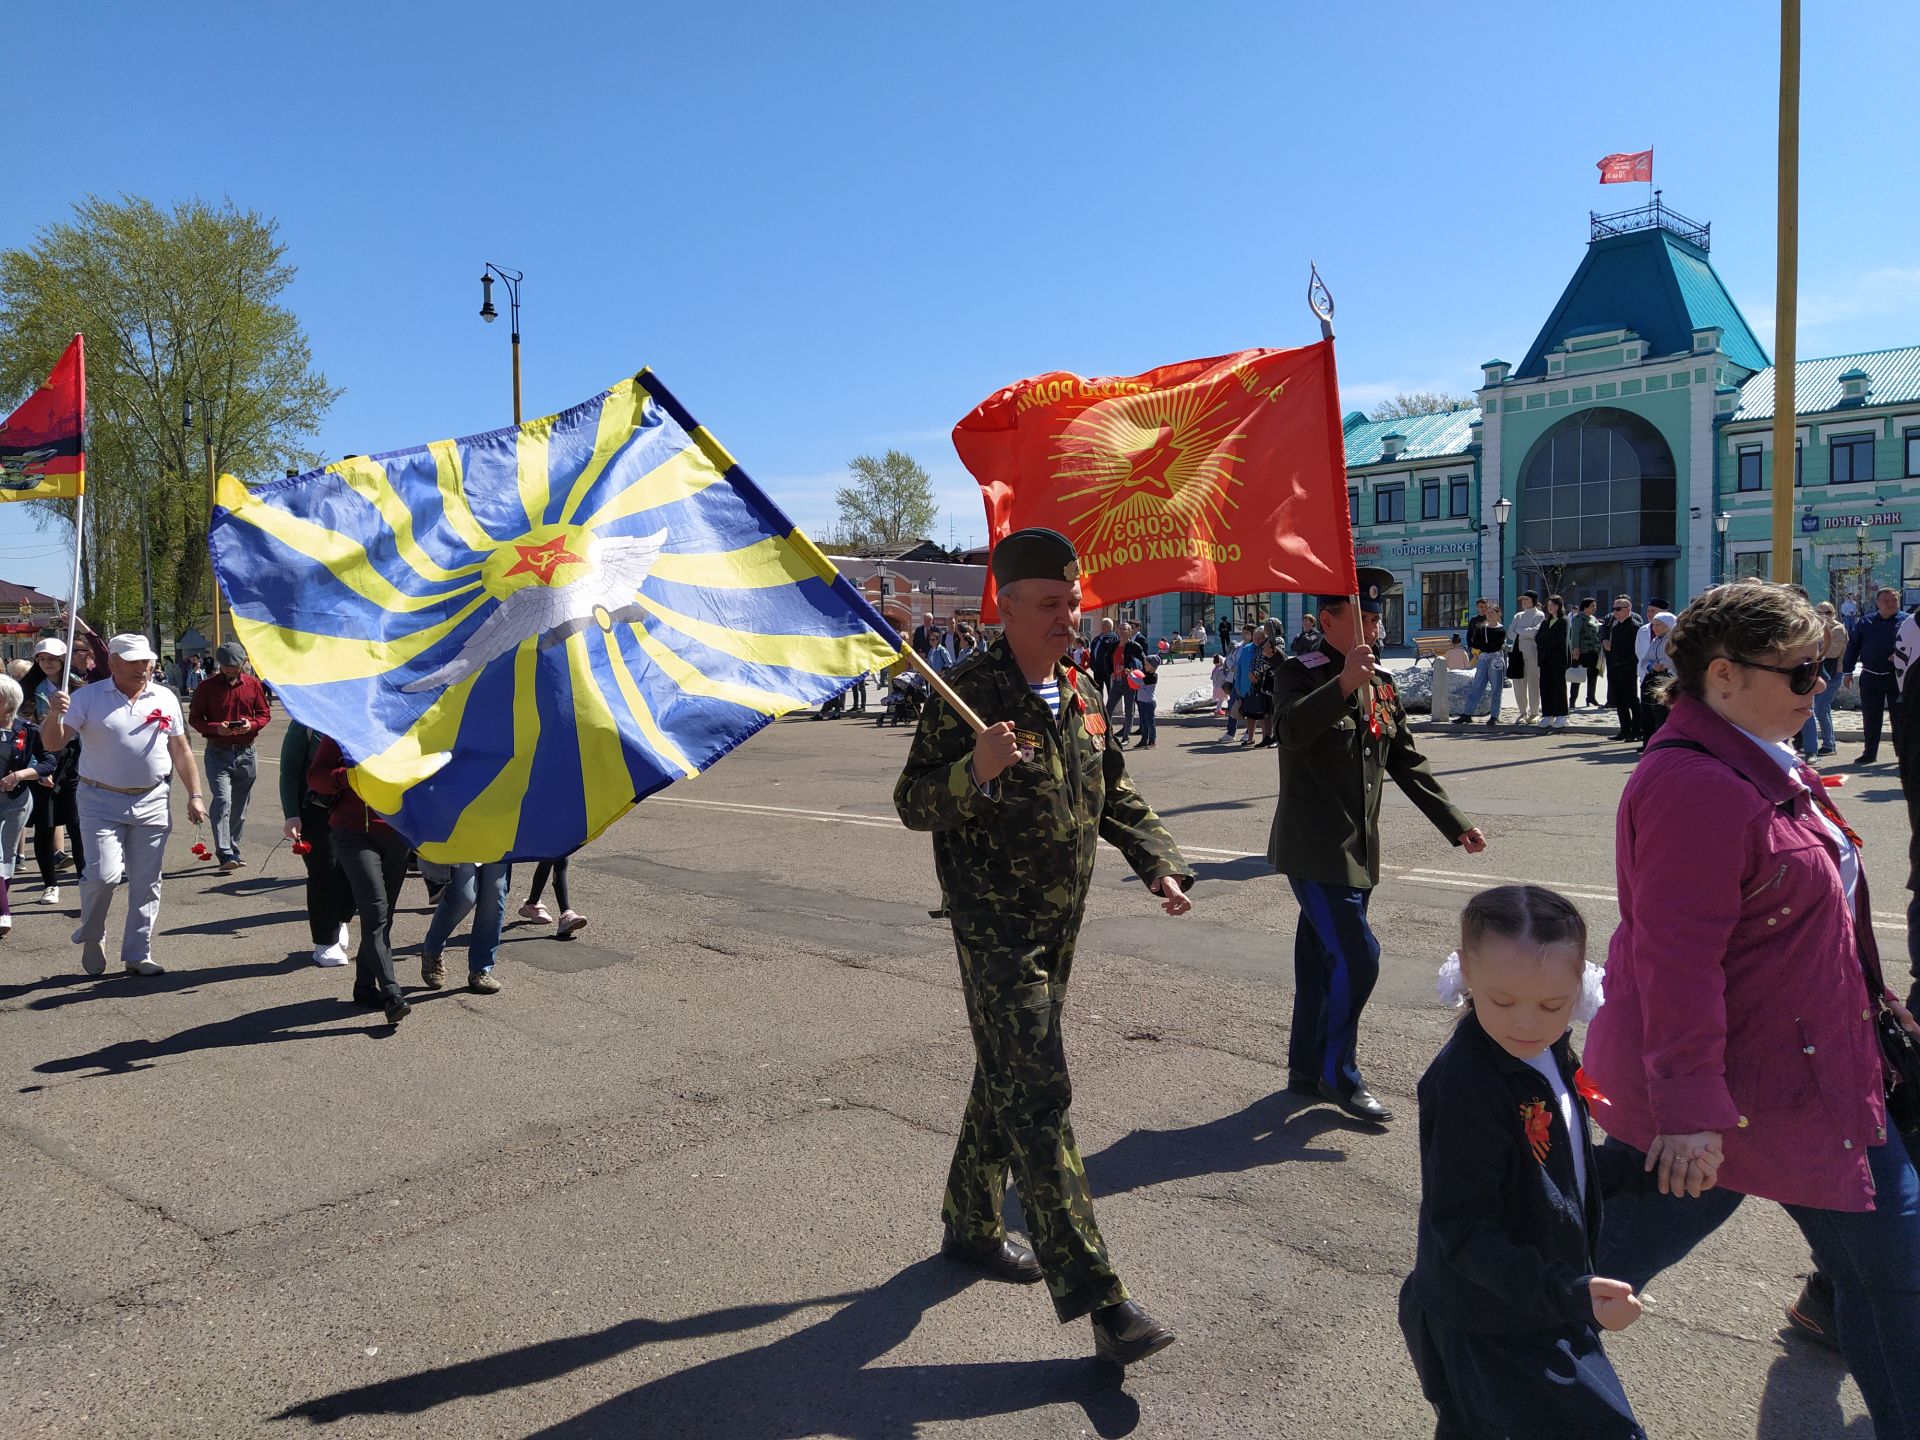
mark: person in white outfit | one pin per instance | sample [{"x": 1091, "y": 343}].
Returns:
[
  {"x": 1523, "y": 633},
  {"x": 133, "y": 741}
]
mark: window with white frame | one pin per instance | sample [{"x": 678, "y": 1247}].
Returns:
[{"x": 1748, "y": 468}]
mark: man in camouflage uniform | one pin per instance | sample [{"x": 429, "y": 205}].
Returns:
[
  {"x": 1342, "y": 733},
  {"x": 1017, "y": 812}
]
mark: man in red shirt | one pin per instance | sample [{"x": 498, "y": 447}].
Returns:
[{"x": 230, "y": 708}]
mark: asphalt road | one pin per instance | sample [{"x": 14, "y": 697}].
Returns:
[{"x": 681, "y": 1177}]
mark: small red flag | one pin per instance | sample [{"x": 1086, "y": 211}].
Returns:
[
  {"x": 42, "y": 454},
  {"x": 1618, "y": 169},
  {"x": 1226, "y": 476}
]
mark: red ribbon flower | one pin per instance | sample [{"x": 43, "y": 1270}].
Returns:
[
  {"x": 1589, "y": 1091},
  {"x": 1539, "y": 1127},
  {"x": 159, "y": 717}
]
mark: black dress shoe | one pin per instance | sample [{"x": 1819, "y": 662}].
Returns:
[
  {"x": 398, "y": 1010},
  {"x": 1125, "y": 1333},
  {"x": 1357, "y": 1102},
  {"x": 1811, "y": 1316},
  {"x": 1008, "y": 1260}
]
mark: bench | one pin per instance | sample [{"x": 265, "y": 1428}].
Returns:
[{"x": 1428, "y": 646}]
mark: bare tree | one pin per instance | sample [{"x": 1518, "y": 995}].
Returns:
[{"x": 1409, "y": 403}]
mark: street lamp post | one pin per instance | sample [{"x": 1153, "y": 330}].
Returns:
[
  {"x": 1502, "y": 508},
  {"x": 511, "y": 279},
  {"x": 1720, "y": 523}
]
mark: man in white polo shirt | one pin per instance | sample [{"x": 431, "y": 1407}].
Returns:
[{"x": 133, "y": 739}]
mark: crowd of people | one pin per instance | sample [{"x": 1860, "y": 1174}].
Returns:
[
  {"x": 1744, "y": 1039},
  {"x": 90, "y": 752}
]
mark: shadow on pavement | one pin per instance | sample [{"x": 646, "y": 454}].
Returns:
[
  {"x": 116, "y": 983},
  {"x": 1247, "y": 867},
  {"x": 817, "y": 1381},
  {"x": 1802, "y": 1398},
  {"x": 256, "y": 1027},
  {"x": 234, "y": 924},
  {"x": 1271, "y": 1131}
]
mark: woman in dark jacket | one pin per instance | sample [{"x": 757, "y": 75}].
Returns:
[
  {"x": 374, "y": 855},
  {"x": 1551, "y": 647},
  {"x": 24, "y": 762}
]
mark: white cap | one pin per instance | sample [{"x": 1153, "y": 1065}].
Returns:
[
  {"x": 51, "y": 646},
  {"x": 131, "y": 647}
]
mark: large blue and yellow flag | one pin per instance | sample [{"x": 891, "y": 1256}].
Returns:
[{"x": 517, "y": 635}]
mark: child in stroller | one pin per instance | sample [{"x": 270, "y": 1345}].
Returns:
[{"x": 904, "y": 697}]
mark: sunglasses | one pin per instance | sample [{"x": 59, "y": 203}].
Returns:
[{"x": 1801, "y": 678}]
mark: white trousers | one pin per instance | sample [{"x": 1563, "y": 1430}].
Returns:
[{"x": 126, "y": 836}]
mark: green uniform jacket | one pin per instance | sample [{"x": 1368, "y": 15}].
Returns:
[
  {"x": 1027, "y": 849},
  {"x": 1333, "y": 770},
  {"x": 297, "y": 744}
]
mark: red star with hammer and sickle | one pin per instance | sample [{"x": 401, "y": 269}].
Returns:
[
  {"x": 543, "y": 559},
  {"x": 1148, "y": 467}
]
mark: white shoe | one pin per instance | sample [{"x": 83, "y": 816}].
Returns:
[
  {"x": 568, "y": 923},
  {"x": 146, "y": 967},
  {"x": 335, "y": 954},
  {"x": 50, "y": 895},
  {"x": 6, "y": 924},
  {"x": 346, "y": 940},
  {"x": 93, "y": 956}
]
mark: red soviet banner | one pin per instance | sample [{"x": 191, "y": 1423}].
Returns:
[
  {"x": 1619, "y": 169},
  {"x": 1226, "y": 476}
]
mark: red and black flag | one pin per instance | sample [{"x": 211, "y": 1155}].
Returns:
[{"x": 42, "y": 444}]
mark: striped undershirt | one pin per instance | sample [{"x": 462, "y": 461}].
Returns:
[{"x": 1049, "y": 692}]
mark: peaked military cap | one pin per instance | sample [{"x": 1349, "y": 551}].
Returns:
[
  {"x": 1374, "y": 582},
  {"x": 1034, "y": 554}
]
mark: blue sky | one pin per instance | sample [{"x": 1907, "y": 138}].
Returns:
[{"x": 835, "y": 228}]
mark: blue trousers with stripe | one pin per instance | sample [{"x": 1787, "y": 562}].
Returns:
[{"x": 1336, "y": 963}]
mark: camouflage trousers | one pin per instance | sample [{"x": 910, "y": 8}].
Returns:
[{"x": 1014, "y": 974}]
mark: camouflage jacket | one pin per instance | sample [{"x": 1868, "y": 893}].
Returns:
[
  {"x": 1027, "y": 848},
  {"x": 1336, "y": 754}
]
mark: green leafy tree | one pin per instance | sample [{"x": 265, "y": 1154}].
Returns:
[
  {"x": 889, "y": 502},
  {"x": 1409, "y": 403},
  {"x": 176, "y": 304}
]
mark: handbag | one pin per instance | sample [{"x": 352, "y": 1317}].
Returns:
[{"x": 1516, "y": 663}]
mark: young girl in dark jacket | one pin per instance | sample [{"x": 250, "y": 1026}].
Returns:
[{"x": 1503, "y": 1310}]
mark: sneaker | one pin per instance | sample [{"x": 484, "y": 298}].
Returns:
[
  {"x": 481, "y": 982},
  {"x": 328, "y": 955},
  {"x": 346, "y": 939},
  {"x": 50, "y": 895},
  {"x": 146, "y": 967},
  {"x": 1827, "y": 750},
  {"x": 534, "y": 910},
  {"x": 569, "y": 922},
  {"x": 93, "y": 958},
  {"x": 227, "y": 867},
  {"x": 433, "y": 970}
]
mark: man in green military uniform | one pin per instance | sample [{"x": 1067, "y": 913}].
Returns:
[
  {"x": 1016, "y": 813},
  {"x": 1342, "y": 733}
]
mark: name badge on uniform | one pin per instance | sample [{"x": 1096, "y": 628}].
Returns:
[
  {"x": 1029, "y": 743},
  {"x": 1313, "y": 659}
]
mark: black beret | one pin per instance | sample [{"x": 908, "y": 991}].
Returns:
[
  {"x": 1035, "y": 554},
  {"x": 1374, "y": 582}
]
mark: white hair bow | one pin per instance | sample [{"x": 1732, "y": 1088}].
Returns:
[{"x": 1452, "y": 987}]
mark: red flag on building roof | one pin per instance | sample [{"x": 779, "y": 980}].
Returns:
[
  {"x": 1618, "y": 169},
  {"x": 1226, "y": 475},
  {"x": 42, "y": 452}
]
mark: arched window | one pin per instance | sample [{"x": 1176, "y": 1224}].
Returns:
[{"x": 1599, "y": 480}]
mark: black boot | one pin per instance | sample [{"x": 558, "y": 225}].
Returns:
[
  {"x": 1008, "y": 1260},
  {"x": 1811, "y": 1316},
  {"x": 1125, "y": 1333}
]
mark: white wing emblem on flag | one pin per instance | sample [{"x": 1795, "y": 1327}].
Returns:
[{"x": 605, "y": 597}]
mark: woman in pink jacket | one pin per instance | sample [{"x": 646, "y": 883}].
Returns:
[{"x": 1736, "y": 1046}]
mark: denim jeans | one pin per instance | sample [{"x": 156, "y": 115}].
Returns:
[
  {"x": 1823, "y": 713},
  {"x": 1488, "y": 669},
  {"x": 1872, "y": 1257},
  {"x": 230, "y": 773},
  {"x": 468, "y": 886},
  {"x": 1148, "y": 732}
]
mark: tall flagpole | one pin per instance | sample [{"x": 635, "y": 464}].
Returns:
[
  {"x": 1786, "y": 302},
  {"x": 79, "y": 521}
]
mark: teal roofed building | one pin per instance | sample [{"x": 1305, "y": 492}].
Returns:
[{"x": 1632, "y": 447}]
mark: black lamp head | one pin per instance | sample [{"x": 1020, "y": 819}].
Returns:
[{"x": 487, "y": 312}]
